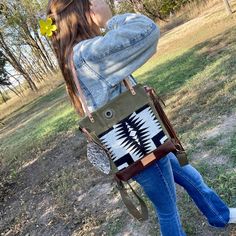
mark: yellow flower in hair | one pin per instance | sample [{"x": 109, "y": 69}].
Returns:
[{"x": 46, "y": 27}]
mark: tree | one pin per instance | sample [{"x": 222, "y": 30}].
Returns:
[
  {"x": 4, "y": 79},
  {"x": 24, "y": 49},
  {"x": 155, "y": 9},
  {"x": 112, "y": 5},
  {"x": 3, "y": 74}
]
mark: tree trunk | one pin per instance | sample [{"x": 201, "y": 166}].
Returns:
[
  {"x": 112, "y": 5},
  {"x": 3, "y": 97},
  {"x": 228, "y": 7},
  {"x": 15, "y": 91},
  {"x": 36, "y": 48},
  {"x": 46, "y": 52},
  {"x": 11, "y": 58},
  {"x": 21, "y": 92}
]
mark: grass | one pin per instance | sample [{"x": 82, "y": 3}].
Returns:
[
  {"x": 196, "y": 84},
  {"x": 189, "y": 11},
  {"x": 16, "y": 103},
  {"x": 34, "y": 126},
  {"x": 65, "y": 181},
  {"x": 194, "y": 71},
  {"x": 230, "y": 148},
  {"x": 115, "y": 226}
]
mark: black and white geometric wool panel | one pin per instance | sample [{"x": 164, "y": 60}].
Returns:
[{"x": 133, "y": 137}]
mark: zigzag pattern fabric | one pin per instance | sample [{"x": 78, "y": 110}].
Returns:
[{"x": 135, "y": 136}]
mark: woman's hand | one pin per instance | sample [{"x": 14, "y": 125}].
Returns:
[{"x": 100, "y": 12}]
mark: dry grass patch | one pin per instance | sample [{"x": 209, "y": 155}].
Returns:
[{"x": 15, "y": 102}]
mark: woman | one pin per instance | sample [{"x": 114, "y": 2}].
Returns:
[{"x": 102, "y": 62}]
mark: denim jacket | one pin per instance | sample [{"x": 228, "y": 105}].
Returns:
[{"x": 102, "y": 62}]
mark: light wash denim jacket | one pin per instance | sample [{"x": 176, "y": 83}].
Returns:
[{"x": 103, "y": 62}]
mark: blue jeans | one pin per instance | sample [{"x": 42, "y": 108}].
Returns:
[{"x": 157, "y": 182}]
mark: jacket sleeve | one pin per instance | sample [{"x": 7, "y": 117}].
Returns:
[{"x": 131, "y": 39}]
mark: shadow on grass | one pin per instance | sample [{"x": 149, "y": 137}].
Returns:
[
  {"x": 200, "y": 83},
  {"x": 29, "y": 130},
  {"x": 170, "y": 76},
  {"x": 33, "y": 108}
]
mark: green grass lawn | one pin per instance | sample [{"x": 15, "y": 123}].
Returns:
[
  {"x": 197, "y": 79},
  {"x": 32, "y": 127}
]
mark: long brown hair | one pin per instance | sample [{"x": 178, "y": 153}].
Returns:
[{"x": 74, "y": 24}]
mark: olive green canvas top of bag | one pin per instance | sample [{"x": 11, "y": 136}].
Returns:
[{"x": 117, "y": 109}]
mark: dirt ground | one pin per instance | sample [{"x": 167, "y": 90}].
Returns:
[{"x": 30, "y": 207}]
